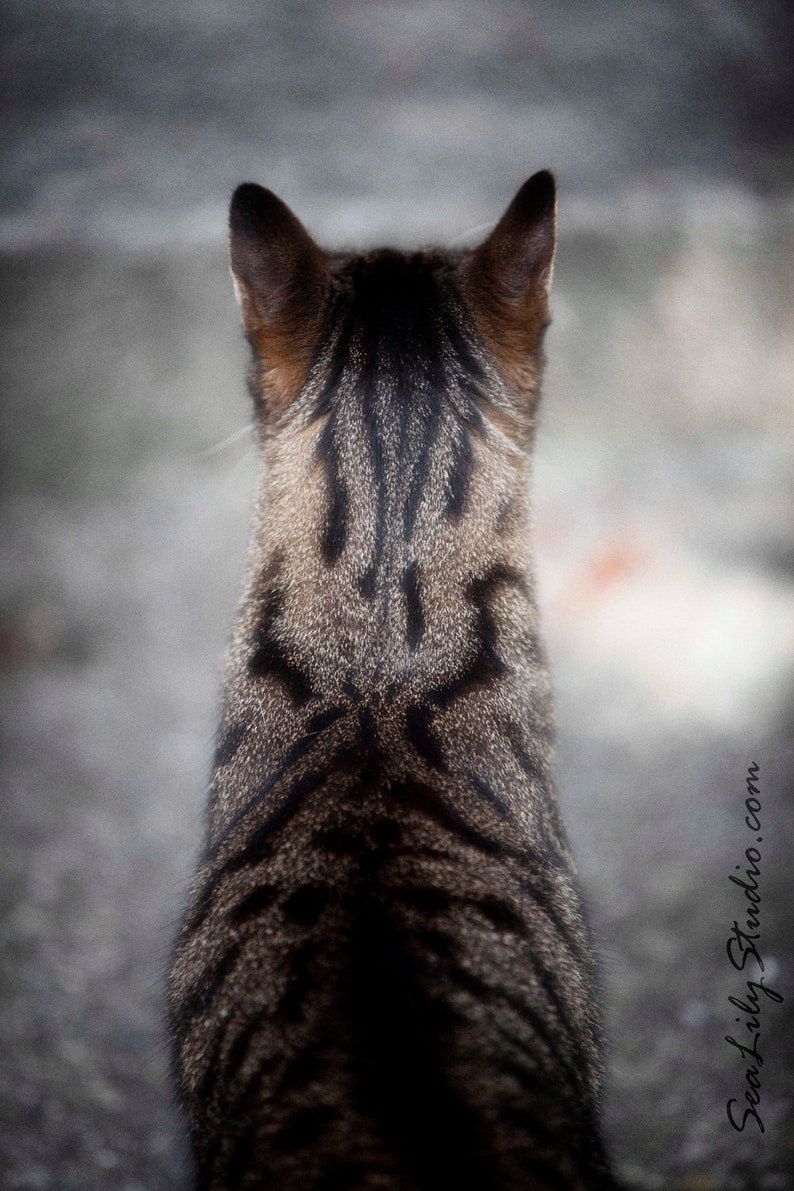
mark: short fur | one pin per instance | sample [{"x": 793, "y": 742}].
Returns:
[{"x": 384, "y": 979}]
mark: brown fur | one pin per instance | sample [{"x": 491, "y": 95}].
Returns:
[
  {"x": 282, "y": 293},
  {"x": 507, "y": 281}
]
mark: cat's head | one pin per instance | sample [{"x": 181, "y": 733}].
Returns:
[{"x": 485, "y": 308}]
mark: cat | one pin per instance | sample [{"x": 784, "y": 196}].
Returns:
[{"x": 384, "y": 978}]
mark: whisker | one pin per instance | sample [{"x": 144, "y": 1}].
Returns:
[
  {"x": 472, "y": 231},
  {"x": 225, "y": 442}
]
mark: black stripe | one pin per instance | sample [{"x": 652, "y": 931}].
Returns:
[
  {"x": 531, "y": 1124},
  {"x": 515, "y": 739},
  {"x": 438, "y": 941},
  {"x": 484, "y": 666},
  {"x": 199, "y": 911},
  {"x": 425, "y": 898},
  {"x": 529, "y": 1078},
  {"x": 317, "y": 724},
  {"x": 209, "y": 1080},
  {"x": 229, "y": 743},
  {"x": 403, "y": 351},
  {"x": 425, "y": 852},
  {"x": 581, "y": 1061},
  {"x": 501, "y": 573},
  {"x": 420, "y": 470},
  {"x": 305, "y": 905},
  {"x": 454, "y": 321},
  {"x": 302, "y": 1070},
  {"x": 503, "y": 916},
  {"x": 500, "y": 914},
  {"x": 206, "y": 988},
  {"x": 367, "y": 581},
  {"x": 304, "y": 1127},
  {"x": 240, "y": 1047},
  {"x": 290, "y": 804},
  {"x": 302, "y": 980},
  {"x": 270, "y": 658},
  {"x": 258, "y": 799},
  {"x": 301, "y": 747},
  {"x": 343, "y": 317},
  {"x": 414, "y": 612},
  {"x": 470, "y": 983},
  {"x": 459, "y": 474},
  {"x": 259, "y": 845},
  {"x": 422, "y": 737},
  {"x": 375, "y": 445},
  {"x": 468, "y": 397},
  {"x": 578, "y": 949},
  {"x": 254, "y": 903},
  {"x": 430, "y": 803},
  {"x": 367, "y": 731},
  {"x": 304, "y": 744},
  {"x": 334, "y": 535},
  {"x": 539, "y": 1027},
  {"x": 386, "y": 833},
  {"x": 490, "y": 795},
  {"x": 343, "y": 1176},
  {"x": 240, "y": 1108},
  {"x": 323, "y": 719},
  {"x": 403, "y": 1050},
  {"x": 579, "y": 1134},
  {"x": 417, "y": 796},
  {"x": 338, "y": 841},
  {"x": 549, "y": 824}
]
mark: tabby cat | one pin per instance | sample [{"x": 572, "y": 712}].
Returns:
[{"x": 384, "y": 978}]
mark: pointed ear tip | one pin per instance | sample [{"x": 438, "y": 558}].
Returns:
[
  {"x": 540, "y": 190},
  {"x": 251, "y": 205}
]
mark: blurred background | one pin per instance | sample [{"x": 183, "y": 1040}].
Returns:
[{"x": 663, "y": 498}]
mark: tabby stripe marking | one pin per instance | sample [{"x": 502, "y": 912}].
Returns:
[
  {"x": 229, "y": 743},
  {"x": 238, "y": 1051},
  {"x": 270, "y": 659},
  {"x": 579, "y": 949},
  {"x": 490, "y": 795},
  {"x": 334, "y": 535},
  {"x": 483, "y": 668},
  {"x": 459, "y": 475},
  {"x": 302, "y": 981},
  {"x": 206, "y": 988},
  {"x": 304, "y": 1127},
  {"x": 254, "y": 903},
  {"x": 413, "y": 604}
]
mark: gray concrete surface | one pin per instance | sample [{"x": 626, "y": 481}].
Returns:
[{"x": 664, "y": 504}]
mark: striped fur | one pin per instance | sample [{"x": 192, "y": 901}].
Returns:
[{"x": 384, "y": 979}]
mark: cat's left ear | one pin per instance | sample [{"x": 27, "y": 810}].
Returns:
[
  {"x": 508, "y": 277},
  {"x": 282, "y": 281}
]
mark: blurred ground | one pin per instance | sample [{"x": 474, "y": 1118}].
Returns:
[{"x": 664, "y": 503}]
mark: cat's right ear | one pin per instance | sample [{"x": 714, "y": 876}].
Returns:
[
  {"x": 281, "y": 280},
  {"x": 507, "y": 279}
]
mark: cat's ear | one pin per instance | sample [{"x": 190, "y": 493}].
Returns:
[
  {"x": 282, "y": 281},
  {"x": 508, "y": 277}
]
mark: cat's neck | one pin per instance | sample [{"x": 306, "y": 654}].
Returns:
[{"x": 434, "y": 666}]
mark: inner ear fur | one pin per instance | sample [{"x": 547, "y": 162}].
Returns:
[
  {"x": 282, "y": 281},
  {"x": 508, "y": 277}
]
